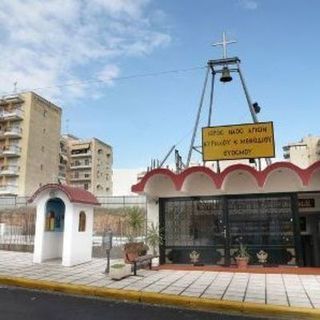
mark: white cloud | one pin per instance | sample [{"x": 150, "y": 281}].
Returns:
[
  {"x": 248, "y": 4},
  {"x": 108, "y": 73},
  {"x": 44, "y": 43}
]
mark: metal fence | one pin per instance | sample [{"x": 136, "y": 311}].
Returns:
[
  {"x": 116, "y": 202},
  {"x": 9, "y": 202},
  {"x": 110, "y": 202},
  {"x": 18, "y": 233}
]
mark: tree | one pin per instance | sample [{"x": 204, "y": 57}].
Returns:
[{"x": 136, "y": 222}]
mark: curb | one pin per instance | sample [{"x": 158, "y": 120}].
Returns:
[{"x": 203, "y": 304}]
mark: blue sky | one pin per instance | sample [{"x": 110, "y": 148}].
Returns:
[{"x": 46, "y": 45}]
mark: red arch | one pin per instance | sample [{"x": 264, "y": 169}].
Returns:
[
  {"x": 243, "y": 167},
  {"x": 302, "y": 174},
  {"x": 311, "y": 170},
  {"x": 205, "y": 170}
]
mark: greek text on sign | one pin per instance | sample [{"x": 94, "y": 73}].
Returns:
[{"x": 245, "y": 141}]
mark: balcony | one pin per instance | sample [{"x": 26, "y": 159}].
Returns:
[
  {"x": 11, "y": 132},
  {"x": 80, "y": 178},
  {"x": 81, "y": 154},
  {"x": 9, "y": 170},
  {"x": 11, "y": 151},
  {"x": 8, "y": 189},
  {"x": 81, "y": 165},
  {"x": 15, "y": 114},
  {"x": 11, "y": 99}
]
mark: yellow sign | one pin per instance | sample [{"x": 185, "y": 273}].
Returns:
[{"x": 243, "y": 141}]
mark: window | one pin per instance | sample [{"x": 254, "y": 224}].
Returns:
[
  {"x": 42, "y": 148},
  {"x": 86, "y": 186},
  {"x": 82, "y": 221},
  {"x": 41, "y": 167},
  {"x": 99, "y": 151}
]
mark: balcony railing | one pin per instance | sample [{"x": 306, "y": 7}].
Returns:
[
  {"x": 10, "y": 170},
  {"x": 8, "y": 189},
  {"x": 10, "y": 150},
  {"x": 81, "y": 154},
  {"x": 80, "y": 178},
  {"x": 12, "y": 114},
  {"x": 80, "y": 165},
  {"x": 14, "y": 132},
  {"x": 11, "y": 98}
]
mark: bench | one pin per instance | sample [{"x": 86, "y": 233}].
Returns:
[{"x": 141, "y": 261}]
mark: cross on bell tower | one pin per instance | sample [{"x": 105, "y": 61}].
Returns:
[{"x": 224, "y": 43}]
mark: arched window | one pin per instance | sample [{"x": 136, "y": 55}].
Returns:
[{"x": 82, "y": 221}]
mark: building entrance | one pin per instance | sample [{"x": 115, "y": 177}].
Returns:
[
  {"x": 215, "y": 227},
  {"x": 310, "y": 239}
]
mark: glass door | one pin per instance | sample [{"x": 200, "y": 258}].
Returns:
[
  {"x": 194, "y": 225},
  {"x": 262, "y": 223}
]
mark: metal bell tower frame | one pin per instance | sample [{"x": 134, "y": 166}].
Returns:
[{"x": 223, "y": 66}]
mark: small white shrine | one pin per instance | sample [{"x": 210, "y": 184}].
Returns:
[{"x": 64, "y": 224}]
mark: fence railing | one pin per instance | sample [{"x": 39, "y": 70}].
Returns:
[{"x": 111, "y": 202}]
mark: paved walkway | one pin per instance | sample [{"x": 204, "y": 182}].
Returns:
[{"x": 277, "y": 289}]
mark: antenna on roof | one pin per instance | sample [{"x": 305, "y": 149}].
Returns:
[{"x": 15, "y": 87}]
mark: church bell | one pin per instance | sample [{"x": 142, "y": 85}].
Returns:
[{"x": 225, "y": 75}]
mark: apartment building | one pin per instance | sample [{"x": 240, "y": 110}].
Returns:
[
  {"x": 29, "y": 143},
  {"x": 89, "y": 164},
  {"x": 63, "y": 161},
  {"x": 304, "y": 152}
]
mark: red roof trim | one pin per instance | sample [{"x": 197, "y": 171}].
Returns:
[
  {"x": 218, "y": 178},
  {"x": 75, "y": 195},
  {"x": 139, "y": 187}
]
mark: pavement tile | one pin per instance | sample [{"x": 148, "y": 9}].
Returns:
[
  {"x": 262, "y": 301},
  {"x": 233, "y": 298},
  {"x": 300, "y": 304},
  {"x": 211, "y": 295},
  {"x": 153, "y": 289},
  {"x": 278, "y": 302},
  {"x": 190, "y": 294}
]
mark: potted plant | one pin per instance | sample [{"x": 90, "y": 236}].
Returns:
[
  {"x": 153, "y": 237},
  {"x": 242, "y": 257},
  {"x": 194, "y": 257},
  {"x": 119, "y": 271},
  {"x": 262, "y": 256}
]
